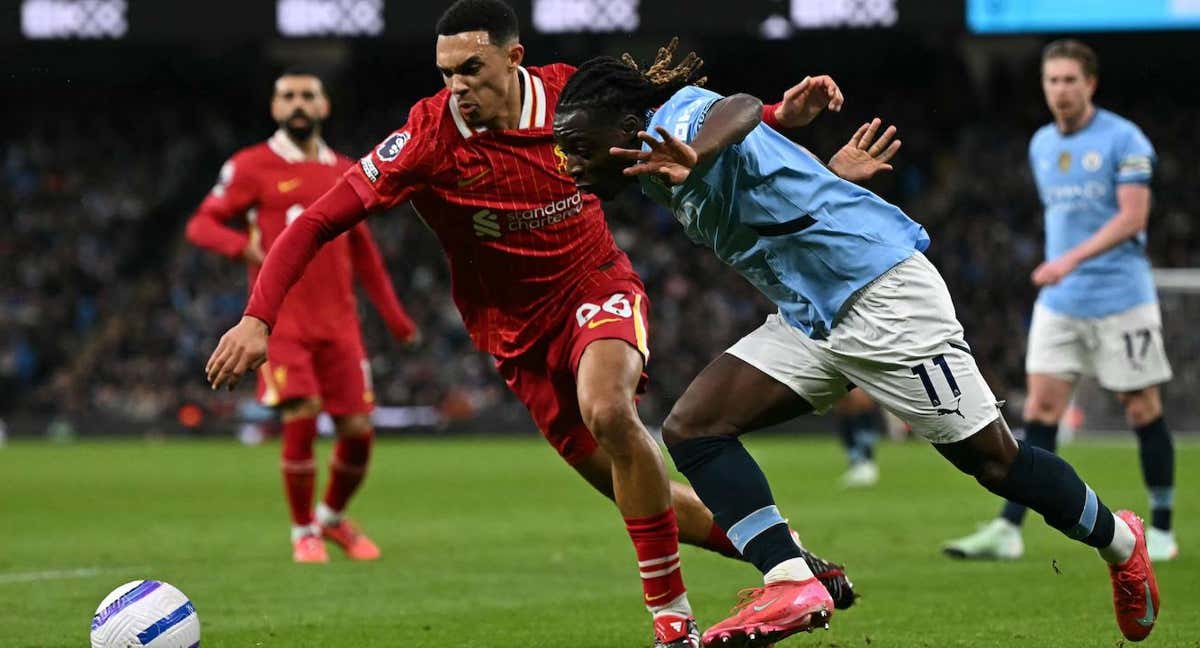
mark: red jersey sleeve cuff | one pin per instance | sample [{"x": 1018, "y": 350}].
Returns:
[
  {"x": 235, "y": 246},
  {"x": 768, "y": 116},
  {"x": 361, "y": 186},
  {"x": 251, "y": 311}
]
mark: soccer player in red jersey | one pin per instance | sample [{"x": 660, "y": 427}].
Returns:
[
  {"x": 316, "y": 360},
  {"x": 539, "y": 281}
]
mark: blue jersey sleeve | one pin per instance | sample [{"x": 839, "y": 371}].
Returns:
[
  {"x": 683, "y": 114},
  {"x": 1135, "y": 157}
]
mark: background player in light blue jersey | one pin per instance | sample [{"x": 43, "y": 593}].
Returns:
[
  {"x": 1098, "y": 312},
  {"x": 858, "y": 305}
]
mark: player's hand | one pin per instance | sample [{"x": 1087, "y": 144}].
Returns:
[
  {"x": 243, "y": 348},
  {"x": 413, "y": 340},
  {"x": 804, "y": 101},
  {"x": 1052, "y": 272},
  {"x": 253, "y": 252},
  {"x": 669, "y": 158},
  {"x": 864, "y": 156}
]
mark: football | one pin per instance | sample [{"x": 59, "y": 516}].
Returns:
[{"x": 146, "y": 613}]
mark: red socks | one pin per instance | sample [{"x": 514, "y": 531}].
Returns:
[
  {"x": 656, "y": 540},
  {"x": 299, "y": 471},
  {"x": 719, "y": 542},
  {"x": 347, "y": 468}
]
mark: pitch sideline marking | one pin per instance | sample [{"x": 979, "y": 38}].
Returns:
[{"x": 58, "y": 574}]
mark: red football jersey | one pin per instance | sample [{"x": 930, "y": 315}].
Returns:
[
  {"x": 522, "y": 241},
  {"x": 272, "y": 183}
]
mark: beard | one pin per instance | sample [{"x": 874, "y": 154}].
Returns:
[{"x": 300, "y": 127}]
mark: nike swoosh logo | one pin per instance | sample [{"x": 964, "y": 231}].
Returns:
[
  {"x": 651, "y": 599},
  {"x": 1147, "y": 620},
  {"x": 606, "y": 320},
  {"x": 285, "y": 186},
  {"x": 760, "y": 608},
  {"x": 473, "y": 179}
]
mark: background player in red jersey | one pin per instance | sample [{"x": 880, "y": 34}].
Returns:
[
  {"x": 316, "y": 360},
  {"x": 539, "y": 281}
]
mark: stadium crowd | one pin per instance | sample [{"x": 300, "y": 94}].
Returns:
[{"x": 106, "y": 311}]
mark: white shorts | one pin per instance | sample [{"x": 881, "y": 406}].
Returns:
[
  {"x": 900, "y": 342},
  {"x": 1124, "y": 351}
]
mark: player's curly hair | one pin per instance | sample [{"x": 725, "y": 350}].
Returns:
[{"x": 622, "y": 86}]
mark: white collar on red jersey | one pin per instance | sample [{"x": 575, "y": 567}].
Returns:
[
  {"x": 283, "y": 146},
  {"x": 533, "y": 106}
]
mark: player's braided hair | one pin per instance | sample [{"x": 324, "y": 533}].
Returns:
[{"x": 620, "y": 85}]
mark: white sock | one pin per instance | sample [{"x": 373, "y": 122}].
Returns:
[
  {"x": 789, "y": 570},
  {"x": 679, "y": 606},
  {"x": 304, "y": 530},
  {"x": 1122, "y": 544},
  {"x": 327, "y": 516}
]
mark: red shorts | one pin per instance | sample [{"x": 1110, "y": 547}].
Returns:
[
  {"x": 544, "y": 377},
  {"x": 336, "y": 371}
]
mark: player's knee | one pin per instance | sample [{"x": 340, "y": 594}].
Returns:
[
  {"x": 300, "y": 408},
  {"x": 611, "y": 419},
  {"x": 991, "y": 472},
  {"x": 683, "y": 424},
  {"x": 353, "y": 425},
  {"x": 1142, "y": 407},
  {"x": 1044, "y": 410},
  {"x": 676, "y": 429}
]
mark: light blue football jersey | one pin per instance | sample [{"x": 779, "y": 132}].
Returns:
[
  {"x": 803, "y": 236},
  {"x": 1077, "y": 177}
]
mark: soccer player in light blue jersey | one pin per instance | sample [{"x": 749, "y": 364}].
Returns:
[
  {"x": 859, "y": 305},
  {"x": 1097, "y": 313}
]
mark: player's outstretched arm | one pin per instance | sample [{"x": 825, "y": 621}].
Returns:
[
  {"x": 1133, "y": 214},
  {"x": 864, "y": 156},
  {"x": 803, "y": 102},
  {"x": 728, "y": 122},
  {"x": 240, "y": 350},
  {"x": 373, "y": 275}
]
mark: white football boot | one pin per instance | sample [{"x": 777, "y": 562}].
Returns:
[
  {"x": 1161, "y": 545},
  {"x": 863, "y": 474},
  {"x": 995, "y": 540}
]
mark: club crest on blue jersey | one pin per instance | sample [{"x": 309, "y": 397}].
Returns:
[{"x": 390, "y": 148}]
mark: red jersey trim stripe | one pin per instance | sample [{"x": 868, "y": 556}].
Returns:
[
  {"x": 639, "y": 328},
  {"x": 539, "y": 100}
]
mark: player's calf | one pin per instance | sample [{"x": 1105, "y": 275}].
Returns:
[
  {"x": 1047, "y": 484},
  {"x": 299, "y": 469},
  {"x": 1035, "y": 478},
  {"x": 348, "y": 468}
]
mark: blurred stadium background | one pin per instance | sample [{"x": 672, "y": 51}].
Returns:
[{"x": 120, "y": 113}]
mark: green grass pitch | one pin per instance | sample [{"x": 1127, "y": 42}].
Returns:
[{"x": 495, "y": 543}]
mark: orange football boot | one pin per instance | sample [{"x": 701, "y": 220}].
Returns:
[
  {"x": 765, "y": 615},
  {"x": 354, "y": 542},
  {"x": 309, "y": 549},
  {"x": 1135, "y": 590}
]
